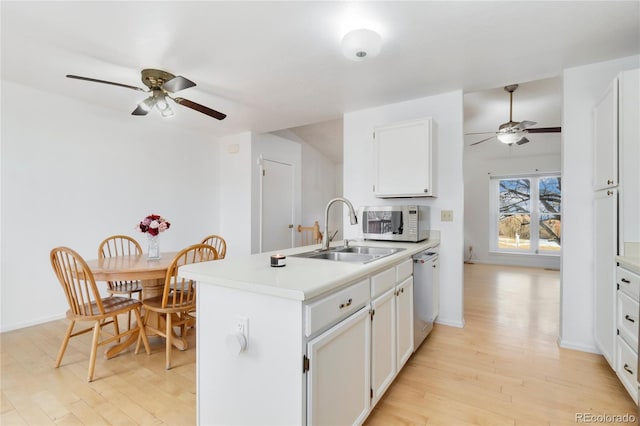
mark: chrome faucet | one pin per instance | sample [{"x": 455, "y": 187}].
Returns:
[{"x": 353, "y": 218}]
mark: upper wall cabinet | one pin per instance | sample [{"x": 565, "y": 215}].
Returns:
[
  {"x": 404, "y": 160},
  {"x": 605, "y": 131},
  {"x": 629, "y": 142}
]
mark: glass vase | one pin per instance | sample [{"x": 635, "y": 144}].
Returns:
[{"x": 154, "y": 247}]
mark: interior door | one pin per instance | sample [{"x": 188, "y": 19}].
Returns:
[{"x": 277, "y": 205}]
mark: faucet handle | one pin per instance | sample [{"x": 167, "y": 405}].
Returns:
[{"x": 346, "y": 243}]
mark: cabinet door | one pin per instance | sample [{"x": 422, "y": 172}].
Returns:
[
  {"x": 338, "y": 380},
  {"x": 436, "y": 287},
  {"x": 604, "y": 271},
  {"x": 404, "y": 320},
  {"x": 605, "y": 143},
  {"x": 403, "y": 156},
  {"x": 629, "y": 141},
  {"x": 383, "y": 343}
]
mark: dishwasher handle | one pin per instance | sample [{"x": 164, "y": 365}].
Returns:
[{"x": 424, "y": 257}]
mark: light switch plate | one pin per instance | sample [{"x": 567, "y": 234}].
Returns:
[{"x": 446, "y": 215}]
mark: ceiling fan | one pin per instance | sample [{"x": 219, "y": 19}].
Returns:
[
  {"x": 161, "y": 85},
  {"x": 514, "y": 131}
]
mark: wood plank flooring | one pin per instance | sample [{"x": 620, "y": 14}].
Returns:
[{"x": 503, "y": 368}]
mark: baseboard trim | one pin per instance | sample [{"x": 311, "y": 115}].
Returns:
[
  {"x": 450, "y": 323},
  {"x": 578, "y": 347},
  {"x": 31, "y": 323}
]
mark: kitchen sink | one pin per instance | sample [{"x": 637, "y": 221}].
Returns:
[
  {"x": 355, "y": 254},
  {"x": 378, "y": 251}
]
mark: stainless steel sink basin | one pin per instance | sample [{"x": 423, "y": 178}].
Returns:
[
  {"x": 381, "y": 251},
  {"x": 356, "y": 254}
]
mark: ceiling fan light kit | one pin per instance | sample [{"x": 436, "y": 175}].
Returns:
[
  {"x": 510, "y": 138},
  {"x": 160, "y": 84},
  {"x": 361, "y": 44}
]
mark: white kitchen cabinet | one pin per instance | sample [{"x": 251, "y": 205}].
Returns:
[
  {"x": 404, "y": 321},
  {"x": 404, "y": 160},
  {"x": 383, "y": 343},
  {"x": 310, "y": 337},
  {"x": 391, "y": 326},
  {"x": 338, "y": 382},
  {"x": 629, "y": 143},
  {"x": 604, "y": 269},
  {"x": 628, "y": 313},
  {"x": 605, "y": 147}
]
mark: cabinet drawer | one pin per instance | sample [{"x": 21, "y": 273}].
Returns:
[
  {"x": 627, "y": 364},
  {"x": 628, "y": 319},
  {"x": 404, "y": 270},
  {"x": 330, "y": 309},
  {"x": 383, "y": 281},
  {"x": 628, "y": 282}
]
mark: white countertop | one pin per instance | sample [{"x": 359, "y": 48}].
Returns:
[
  {"x": 631, "y": 263},
  {"x": 301, "y": 278}
]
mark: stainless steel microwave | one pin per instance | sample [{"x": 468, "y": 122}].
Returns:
[{"x": 395, "y": 223}]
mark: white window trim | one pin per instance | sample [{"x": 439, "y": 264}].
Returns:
[{"x": 494, "y": 209}]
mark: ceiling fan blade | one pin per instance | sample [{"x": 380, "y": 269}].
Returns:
[
  {"x": 95, "y": 80},
  {"x": 545, "y": 130},
  {"x": 478, "y": 133},
  {"x": 200, "y": 108},
  {"x": 177, "y": 83},
  {"x": 522, "y": 141},
  {"x": 483, "y": 140},
  {"x": 525, "y": 124},
  {"x": 140, "y": 111}
]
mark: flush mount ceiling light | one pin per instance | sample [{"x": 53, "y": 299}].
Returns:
[{"x": 361, "y": 44}]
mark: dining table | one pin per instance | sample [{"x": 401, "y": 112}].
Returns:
[{"x": 150, "y": 272}]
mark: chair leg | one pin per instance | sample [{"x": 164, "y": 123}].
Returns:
[
  {"x": 142, "y": 334},
  {"x": 169, "y": 332},
  {"x": 116, "y": 326},
  {"x": 142, "y": 331},
  {"x": 94, "y": 350},
  {"x": 65, "y": 342}
]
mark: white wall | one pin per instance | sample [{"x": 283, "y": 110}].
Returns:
[
  {"x": 446, "y": 110},
  {"x": 321, "y": 181},
  {"x": 73, "y": 174},
  {"x": 234, "y": 180},
  {"x": 481, "y": 162},
  {"x": 271, "y": 147},
  {"x": 583, "y": 86}
]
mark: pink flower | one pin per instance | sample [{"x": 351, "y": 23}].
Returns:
[{"x": 153, "y": 224}]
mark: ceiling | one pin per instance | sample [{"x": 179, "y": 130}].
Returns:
[{"x": 273, "y": 65}]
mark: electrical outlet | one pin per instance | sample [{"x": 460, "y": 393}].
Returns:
[
  {"x": 446, "y": 215},
  {"x": 242, "y": 327}
]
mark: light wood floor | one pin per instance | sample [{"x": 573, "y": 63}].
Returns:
[{"x": 503, "y": 367}]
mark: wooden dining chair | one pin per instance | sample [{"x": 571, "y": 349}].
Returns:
[
  {"x": 310, "y": 234},
  {"x": 86, "y": 305},
  {"x": 218, "y": 243},
  {"x": 176, "y": 305},
  {"x": 121, "y": 245}
]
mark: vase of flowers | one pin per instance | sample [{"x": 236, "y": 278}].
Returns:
[{"x": 153, "y": 225}]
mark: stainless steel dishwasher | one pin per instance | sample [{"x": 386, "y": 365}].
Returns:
[{"x": 426, "y": 293}]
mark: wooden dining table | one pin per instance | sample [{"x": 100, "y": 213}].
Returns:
[{"x": 150, "y": 272}]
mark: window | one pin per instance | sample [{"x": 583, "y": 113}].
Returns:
[{"x": 525, "y": 215}]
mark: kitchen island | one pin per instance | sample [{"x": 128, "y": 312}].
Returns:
[{"x": 297, "y": 344}]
